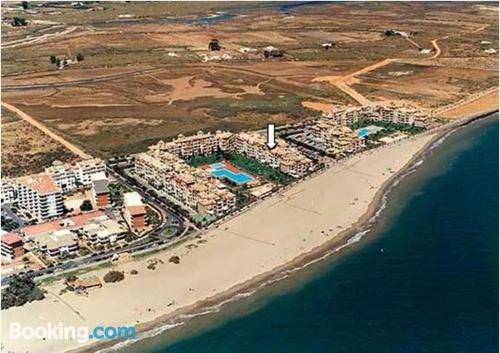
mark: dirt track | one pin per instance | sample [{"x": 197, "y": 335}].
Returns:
[{"x": 76, "y": 150}]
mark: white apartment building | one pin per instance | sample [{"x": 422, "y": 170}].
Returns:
[
  {"x": 8, "y": 192},
  {"x": 63, "y": 176},
  {"x": 69, "y": 177},
  {"x": 39, "y": 195},
  {"x": 196, "y": 145},
  {"x": 391, "y": 113}
]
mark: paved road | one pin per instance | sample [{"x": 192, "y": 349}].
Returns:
[{"x": 12, "y": 215}]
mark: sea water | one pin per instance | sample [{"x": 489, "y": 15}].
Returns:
[{"x": 424, "y": 278}]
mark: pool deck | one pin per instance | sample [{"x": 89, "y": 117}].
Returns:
[{"x": 228, "y": 171}]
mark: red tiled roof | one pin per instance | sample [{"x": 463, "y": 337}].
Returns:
[
  {"x": 136, "y": 210},
  {"x": 62, "y": 223},
  {"x": 11, "y": 238}
]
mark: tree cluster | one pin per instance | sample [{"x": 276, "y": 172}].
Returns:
[{"x": 21, "y": 290}]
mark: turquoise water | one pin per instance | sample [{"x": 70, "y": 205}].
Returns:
[
  {"x": 372, "y": 129},
  {"x": 220, "y": 171},
  {"x": 364, "y": 132},
  {"x": 424, "y": 279}
]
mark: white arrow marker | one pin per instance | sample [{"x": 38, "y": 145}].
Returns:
[{"x": 271, "y": 141}]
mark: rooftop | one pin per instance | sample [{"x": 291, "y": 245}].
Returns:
[
  {"x": 136, "y": 210},
  {"x": 57, "y": 239},
  {"x": 101, "y": 186},
  {"x": 11, "y": 238},
  {"x": 41, "y": 183},
  {"x": 62, "y": 223},
  {"x": 132, "y": 199}
]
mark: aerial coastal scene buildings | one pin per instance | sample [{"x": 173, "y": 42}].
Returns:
[
  {"x": 72, "y": 210},
  {"x": 89, "y": 207},
  {"x": 162, "y": 163}
]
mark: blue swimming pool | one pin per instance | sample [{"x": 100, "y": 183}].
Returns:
[
  {"x": 363, "y": 132},
  {"x": 368, "y": 130},
  {"x": 228, "y": 171},
  {"x": 239, "y": 178}
]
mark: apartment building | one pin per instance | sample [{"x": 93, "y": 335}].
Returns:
[
  {"x": 284, "y": 157},
  {"x": 69, "y": 177},
  {"x": 89, "y": 169},
  {"x": 101, "y": 197},
  {"x": 391, "y": 113},
  {"x": 332, "y": 137},
  {"x": 8, "y": 192},
  {"x": 39, "y": 195},
  {"x": 196, "y": 145},
  {"x": 192, "y": 187},
  {"x": 155, "y": 166},
  {"x": 63, "y": 175},
  {"x": 12, "y": 246},
  {"x": 134, "y": 210}
]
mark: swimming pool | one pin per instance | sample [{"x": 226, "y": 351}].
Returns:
[
  {"x": 363, "y": 132},
  {"x": 225, "y": 170},
  {"x": 368, "y": 130}
]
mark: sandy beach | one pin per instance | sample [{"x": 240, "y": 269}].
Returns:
[{"x": 283, "y": 229}]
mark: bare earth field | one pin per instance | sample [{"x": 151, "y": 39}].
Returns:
[
  {"x": 151, "y": 77},
  {"x": 25, "y": 149}
]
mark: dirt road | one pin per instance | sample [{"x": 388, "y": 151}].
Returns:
[
  {"x": 76, "y": 150},
  {"x": 344, "y": 82},
  {"x": 29, "y": 40}
]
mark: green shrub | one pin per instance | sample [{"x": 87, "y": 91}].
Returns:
[
  {"x": 114, "y": 276},
  {"x": 21, "y": 290}
]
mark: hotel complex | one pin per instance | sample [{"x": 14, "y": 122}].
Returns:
[
  {"x": 251, "y": 144},
  {"x": 192, "y": 187},
  {"x": 163, "y": 167},
  {"x": 329, "y": 136}
]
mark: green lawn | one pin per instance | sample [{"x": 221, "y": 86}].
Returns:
[{"x": 244, "y": 163}]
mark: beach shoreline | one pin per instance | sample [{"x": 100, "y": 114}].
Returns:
[
  {"x": 317, "y": 254},
  {"x": 325, "y": 249}
]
